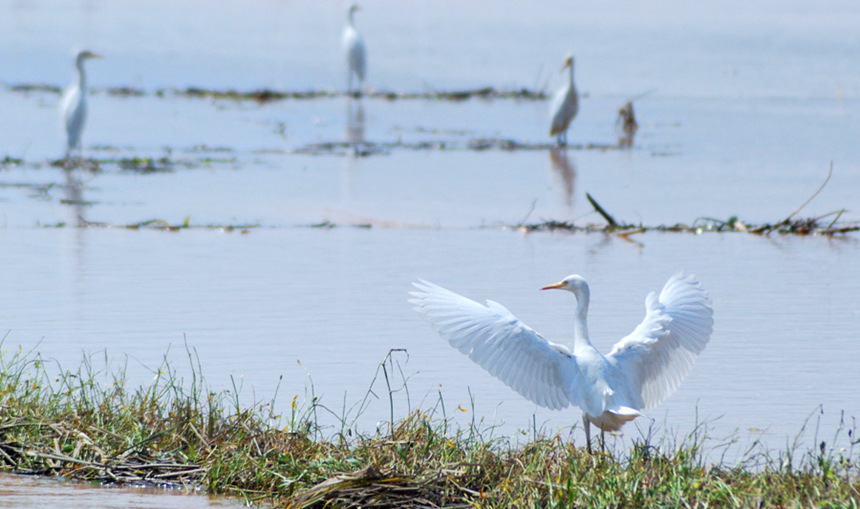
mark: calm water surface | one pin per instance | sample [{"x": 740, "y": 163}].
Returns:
[
  {"x": 750, "y": 106},
  {"x": 255, "y": 305}
]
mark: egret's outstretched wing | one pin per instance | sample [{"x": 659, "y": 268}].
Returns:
[
  {"x": 510, "y": 350},
  {"x": 659, "y": 353}
]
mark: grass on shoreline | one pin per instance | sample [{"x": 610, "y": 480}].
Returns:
[{"x": 91, "y": 426}]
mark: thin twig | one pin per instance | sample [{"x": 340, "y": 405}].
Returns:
[
  {"x": 65, "y": 459},
  {"x": 643, "y": 94},
  {"x": 183, "y": 473},
  {"x": 829, "y": 174},
  {"x": 528, "y": 213},
  {"x": 838, "y": 215}
]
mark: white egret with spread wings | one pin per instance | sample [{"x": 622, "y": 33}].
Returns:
[{"x": 642, "y": 370}]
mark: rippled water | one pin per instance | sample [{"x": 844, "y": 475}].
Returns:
[{"x": 751, "y": 103}]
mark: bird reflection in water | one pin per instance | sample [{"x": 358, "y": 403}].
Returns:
[
  {"x": 355, "y": 140},
  {"x": 354, "y": 121},
  {"x": 626, "y": 126},
  {"x": 74, "y": 195},
  {"x": 566, "y": 169}
]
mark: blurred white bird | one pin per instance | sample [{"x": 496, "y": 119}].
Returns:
[
  {"x": 564, "y": 106},
  {"x": 642, "y": 369},
  {"x": 353, "y": 47},
  {"x": 73, "y": 103}
]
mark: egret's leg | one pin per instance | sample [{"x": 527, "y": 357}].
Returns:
[{"x": 587, "y": 426}]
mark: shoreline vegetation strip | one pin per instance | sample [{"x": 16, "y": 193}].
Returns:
[{"x": 89, "y": 425}]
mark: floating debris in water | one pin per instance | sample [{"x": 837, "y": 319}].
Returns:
[
  {"x": 497, "y": 143},
  {"x": 35, "y": 87},
  {"x": 367, "y": 148},
  {"x": 11, "y": 161},
  {"x": 125, "y": 92},
  {"x": 269, "y": 95},
  {"x": 146, "y": 164},
  {"x": 810, "y": 226},
  {"x": 807, "y": 226},
  {"x": 359, "y": 149},
  {"x": 159, "y": 224}
]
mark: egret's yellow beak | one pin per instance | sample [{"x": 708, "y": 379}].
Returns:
[
  {"x": 554, "y": 286},
  {"x": 567, "y": 63}
]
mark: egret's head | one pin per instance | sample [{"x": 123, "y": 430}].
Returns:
[
  {"x": 86, "y": 54},
  {"x": 572, "y": 283},
  {"x": 568, "y": 62},
  {"x": 354, "y": 7}
]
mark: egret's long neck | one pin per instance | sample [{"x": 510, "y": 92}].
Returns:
[
  {"x": 349, "y": 18},
  {"x": 572, "y": 86},
  {"x": 82, "y": 76},
  {"x": 580, "y": 330}
]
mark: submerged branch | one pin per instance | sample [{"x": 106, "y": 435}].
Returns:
[{"x": 609, "y": 219}]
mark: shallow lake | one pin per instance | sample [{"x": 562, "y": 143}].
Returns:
[{"x": 750, "y": 105}]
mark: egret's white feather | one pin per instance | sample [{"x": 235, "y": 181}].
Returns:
[
  {"x": 660, "y": 352},
  {"x": 500, "y": 343}
]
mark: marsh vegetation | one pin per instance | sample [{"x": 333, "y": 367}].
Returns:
[{"x": 89, "y": 425}]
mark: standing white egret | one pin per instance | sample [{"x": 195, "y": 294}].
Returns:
[
  {"x": 73, "y": 103},
  {"x": 564, "y": 106},
  {"x": 642, "y": 369},
  {"x": 353, "y": 47}
]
